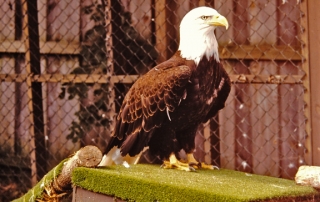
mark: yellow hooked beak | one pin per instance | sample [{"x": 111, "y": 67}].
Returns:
[{"x": 218, "y": 20}]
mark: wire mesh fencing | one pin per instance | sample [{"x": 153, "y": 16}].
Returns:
[{"x": 64, "y": 73}]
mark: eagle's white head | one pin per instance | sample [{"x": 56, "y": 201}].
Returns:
[{"x": 197, "y": 37}]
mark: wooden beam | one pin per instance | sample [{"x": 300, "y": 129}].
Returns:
[
  {"x": 161, "y": 29},
  {"x": 26, "y": 40},
  {"x": 267, "y": 79},
  {"x": 49, "y": 47},
  {"x": 29, "y": 93},
  {"x": 260, "y": 52},
  {"x": 257, "y": 52},
  {"x": 306, "y": 84},
  {"x": 70, "y": 78},
  {"x": 34, "y": 92},
  {"x": 97, "y": 78},
  {"x": 311, "y": 37}
]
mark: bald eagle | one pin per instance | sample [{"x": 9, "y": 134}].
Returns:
[{"x": 163, "y": 108}]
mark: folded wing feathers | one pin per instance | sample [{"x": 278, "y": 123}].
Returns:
[{"x": 144, "y": 107}]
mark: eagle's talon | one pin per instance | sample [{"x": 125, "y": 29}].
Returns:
[
  {"x": 174, "y": 163},
  {"x": 215, "y": 168},
  {"x": 195, "y": 164},
  {"x": 192, "y": 169}
]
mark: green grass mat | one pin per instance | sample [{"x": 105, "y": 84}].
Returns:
[{"x": 151, "y": 183}]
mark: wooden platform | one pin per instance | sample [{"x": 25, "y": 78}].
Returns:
[
  {"x": 82, "y": 195},
  {"x": 151, "y": 183}
]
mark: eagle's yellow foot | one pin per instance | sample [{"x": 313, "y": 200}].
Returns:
[
  {"x": 196, "y": 165},
  {"x": 174, "y": 163}
]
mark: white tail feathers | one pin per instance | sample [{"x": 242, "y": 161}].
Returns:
[{"x": 114, "y": 157}]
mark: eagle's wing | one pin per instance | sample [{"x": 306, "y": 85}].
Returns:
[
  {"x": 146, "y": 105},
  {"x": 222, "y": 85}
]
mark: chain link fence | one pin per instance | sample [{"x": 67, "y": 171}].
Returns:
[{"x": 65, "y": 67}]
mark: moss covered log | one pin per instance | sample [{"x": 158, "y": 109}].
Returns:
[{"x": 56, "y": 184}]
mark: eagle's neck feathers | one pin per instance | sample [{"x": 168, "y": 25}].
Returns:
[{"x": 201, "y": 43}]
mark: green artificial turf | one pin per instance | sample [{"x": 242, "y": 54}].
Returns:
[
  {"x": 37, "y": 191},
  {"x": 151, "y": 183}
]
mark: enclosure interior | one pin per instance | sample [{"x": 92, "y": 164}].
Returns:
[{"x": 64, "y": 93}]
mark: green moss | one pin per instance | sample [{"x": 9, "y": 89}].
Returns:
[
  {"x": 37, "y": 190},
  {"x": 150, "y": 183}
]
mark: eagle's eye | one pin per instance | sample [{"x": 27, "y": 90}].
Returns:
[{"x": 204, "y": 17}]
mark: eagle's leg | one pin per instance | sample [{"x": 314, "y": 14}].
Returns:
[
  {"x": 194, "y": 163},
  {"x": 174, "y": 163}
]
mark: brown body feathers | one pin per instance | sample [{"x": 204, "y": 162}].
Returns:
[{"x": 164, "y": 107}]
